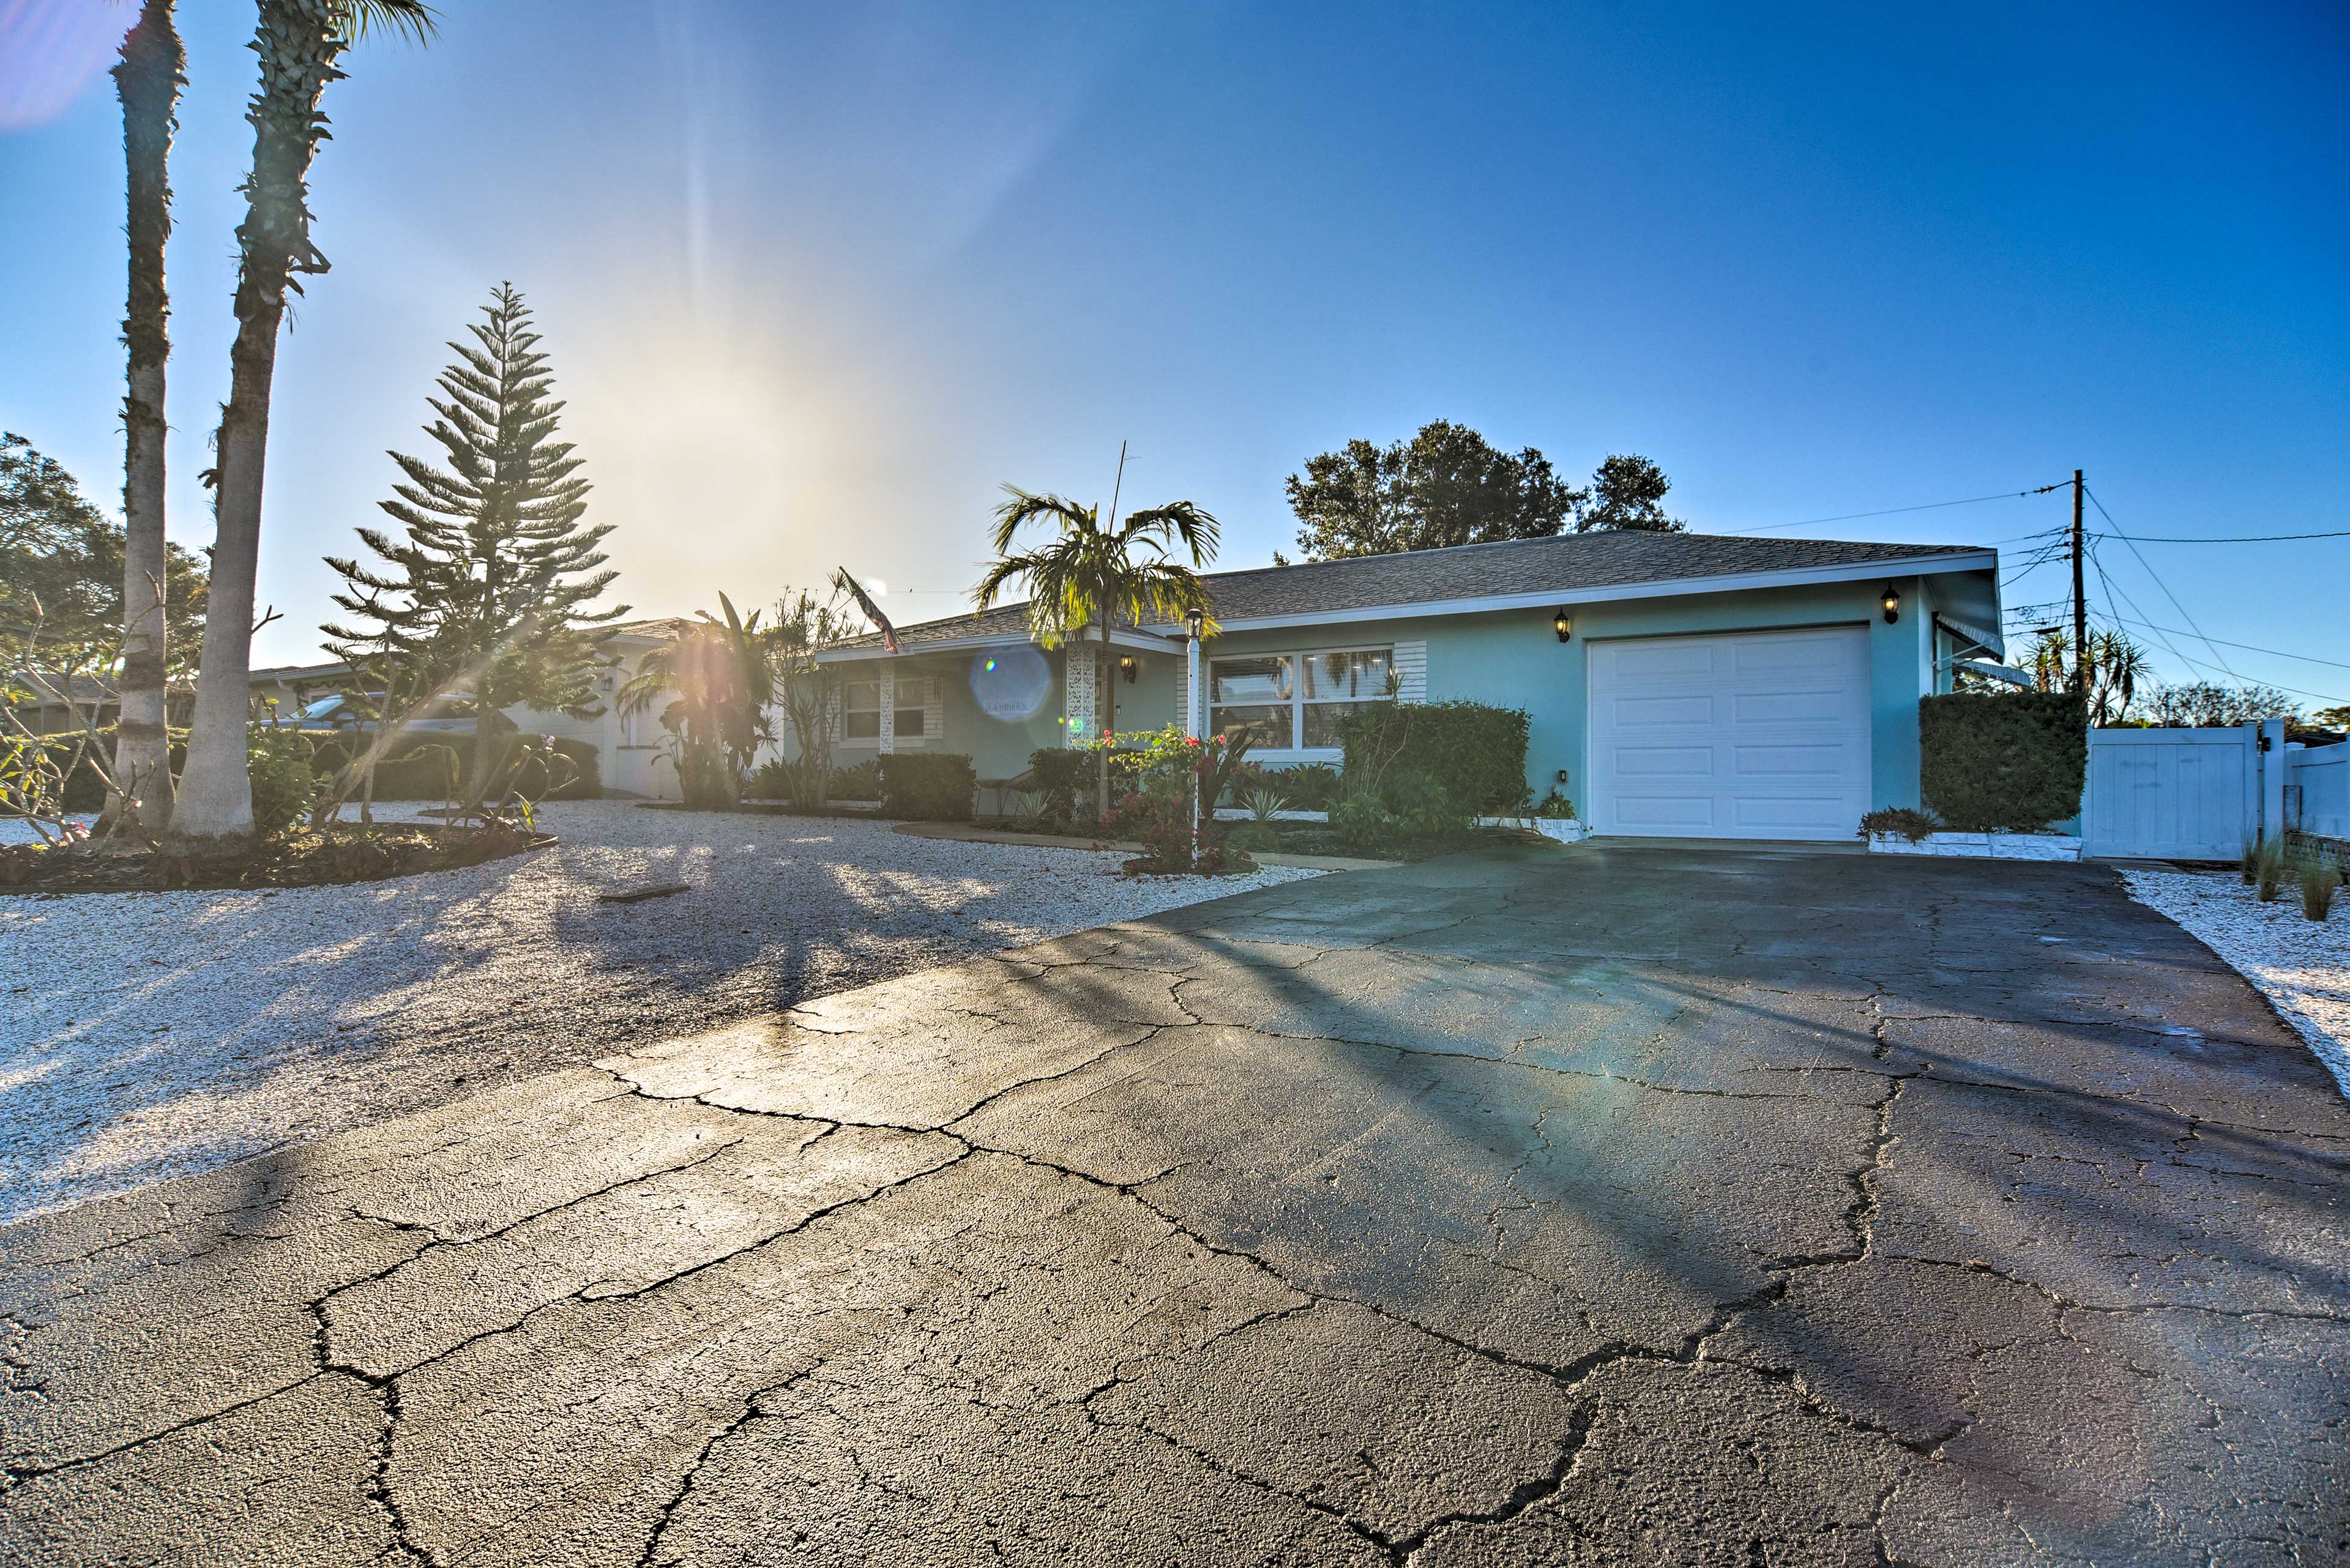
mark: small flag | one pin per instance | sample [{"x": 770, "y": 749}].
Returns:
[{"x": 872, "y": 611}]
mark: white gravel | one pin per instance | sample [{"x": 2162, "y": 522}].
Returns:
[
  {"x": 2301, "y": 965},
  {"x": 147, "y": 1035}
]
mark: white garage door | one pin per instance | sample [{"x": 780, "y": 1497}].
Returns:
[{"x": 1740, "y": 735}]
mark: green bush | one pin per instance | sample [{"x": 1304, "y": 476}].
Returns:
[
  {"x": 1471, "y": 755},
  {"x": 928, "y": 786},
  {"x": 1310, "y": 786},
  {"x": 278, "y": 764},
  {"x": 1994, "y": 764},
  {"x": 432, "y": 767},
  {"x": 862, "y": 782},
  {"x": 1065, "y": 776}
]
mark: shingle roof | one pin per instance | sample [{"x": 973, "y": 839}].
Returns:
[{"x": 1566, "y": 563}]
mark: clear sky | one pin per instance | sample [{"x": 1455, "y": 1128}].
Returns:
[{"x": 817, "y": 279}]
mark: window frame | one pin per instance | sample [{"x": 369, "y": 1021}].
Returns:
[
  {"x": 1297, "y": 702},
  {"x": 899, "y": 708}
]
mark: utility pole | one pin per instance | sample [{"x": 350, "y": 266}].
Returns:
[{"x": 2080, "y": 602}]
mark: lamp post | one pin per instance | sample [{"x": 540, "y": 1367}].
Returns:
[{"x": 1193, "y": 620}]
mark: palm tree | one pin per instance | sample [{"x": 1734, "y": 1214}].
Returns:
[
  {"x": 724, "y": 686},
  {"x": 149, "y": 80},
  {"x": 1096, "y": 575},
  {"x": 299, "y": 43}
]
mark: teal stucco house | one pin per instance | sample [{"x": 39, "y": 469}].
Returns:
[{"x": 1676, "y": 684}]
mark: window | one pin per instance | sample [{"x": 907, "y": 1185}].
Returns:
[
  {"x": 862, "y": 713},
  {"x": 1292, "y": 701}
]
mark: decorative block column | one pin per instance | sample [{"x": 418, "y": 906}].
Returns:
[
  {"x": 1078, "y": 696},
  {"x": 888, "y": 737}
]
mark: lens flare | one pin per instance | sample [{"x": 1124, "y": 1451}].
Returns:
[{"x": 1012, "y": 686}]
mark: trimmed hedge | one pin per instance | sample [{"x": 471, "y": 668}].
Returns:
[
  {"x": 928, "y": 786},
  {"x": 432, "y": 767},
  {"x": 2003, "y": 764},
  {"x": 1475, "y": 753}
]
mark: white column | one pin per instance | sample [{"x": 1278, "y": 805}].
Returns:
[
  {"x": 1077, "y": 704},
  {"x": 2273, "y": 772},
  {"x": 889, "y": 739},
  {"x": 1191, "y": 687}
]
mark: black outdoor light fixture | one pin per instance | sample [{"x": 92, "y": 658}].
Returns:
[
  {"x": 1564, "y": 622},
  {"x": 1193, "y": 620},
  {"x": 1892, "y": 601},
  {"x": 1127, "y": 665}
]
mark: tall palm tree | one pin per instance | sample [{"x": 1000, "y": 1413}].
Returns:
[
  {"x": 1096, "y": 575},
  {"x": 149, "y": 80},
  {"x": 299, "y": 43}
]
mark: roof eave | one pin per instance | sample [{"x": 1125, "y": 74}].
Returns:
[
  {"x": 1125, "y": 637},
  {"x": 1667, "y": 588}
]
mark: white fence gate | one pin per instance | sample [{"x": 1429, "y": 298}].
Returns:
[
  {"x": 2178, "y": 794},
  {"x": 2318, "y": 780}
]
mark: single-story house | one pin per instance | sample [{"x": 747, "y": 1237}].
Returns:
[
  {"x": 630, "y": 758},
  {"x": 1676, "y": 684}
]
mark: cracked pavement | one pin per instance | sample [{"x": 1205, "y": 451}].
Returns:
[{"x": 1606, "y": 1205}]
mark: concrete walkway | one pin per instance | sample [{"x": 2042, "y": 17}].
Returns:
[{"x": 1614, "y": 1206}]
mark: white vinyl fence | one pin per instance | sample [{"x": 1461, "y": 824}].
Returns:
[
  {"x": 2203, "y": 794},
  {"x": 2317, "y": 789}
]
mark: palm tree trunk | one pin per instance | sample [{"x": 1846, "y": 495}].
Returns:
[
  {"x": 299, "y": 42},
  {"x": 1105, "y": 684},
  {"x": 149, "y": 81}
]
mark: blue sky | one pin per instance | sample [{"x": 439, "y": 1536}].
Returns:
[{"x": 816, "y": 280}]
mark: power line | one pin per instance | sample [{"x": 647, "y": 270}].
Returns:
[
  {"x": 2248, "y": 647},
  {"x": 2222, "y": 539},
  {"x": 2296, "y": 690},
  {"x": 1890, "y": 511},
  {"x": 2165, "y": 588}
]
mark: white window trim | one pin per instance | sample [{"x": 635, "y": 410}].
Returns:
[
  {"x": 929, "y": 707},
  {"x": 1297, "y": 700}
]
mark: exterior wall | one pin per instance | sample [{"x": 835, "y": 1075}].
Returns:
[
  {"x": 998, "y": 746},
  {"x": 1514, "y": 659}
]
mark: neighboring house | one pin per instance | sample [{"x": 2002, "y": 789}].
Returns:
[
  {"x": 630, "y": 758},
  {"x": 1702, "y": 685},
  {"x": 58, "y": 704}
]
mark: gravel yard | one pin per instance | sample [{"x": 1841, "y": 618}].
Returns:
[
  {"x": 147, "y": 1035},
  {"x": 2301, "y": 965}
]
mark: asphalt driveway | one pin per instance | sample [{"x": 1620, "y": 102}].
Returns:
[{"x": 1591, "y": 1206}]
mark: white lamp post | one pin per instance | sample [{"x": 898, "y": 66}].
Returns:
[{"x": 1193, "y": 620}]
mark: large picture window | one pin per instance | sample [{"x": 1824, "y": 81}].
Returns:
[
  {"x": 860, "y": 718},
  {"x": 1292, "y": 701}
]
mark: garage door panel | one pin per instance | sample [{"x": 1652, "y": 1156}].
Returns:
[
  {"x": 1825, "y": 705},
  {"x": 1664, "y": 762},
  {"x": 1787, "y": 762},
  {"x": 1661, "y": 661},
  {"x": 1735, "y": 734},
  {"x": 1658, "y": 712},
  {"x": 1664, "y": 813},
  {"x": 1793, "y": 817}
]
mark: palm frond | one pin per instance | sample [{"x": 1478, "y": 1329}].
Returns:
[{"x": 412, "y": 19}]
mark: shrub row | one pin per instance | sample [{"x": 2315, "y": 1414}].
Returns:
[
  {"x": 1471, "y": 755},
  {"x": 928, "y": 786}
]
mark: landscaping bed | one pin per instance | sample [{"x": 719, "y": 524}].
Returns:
[
  {"x": 331, "y": 855},
  {"x": 2301, "y": 965}
]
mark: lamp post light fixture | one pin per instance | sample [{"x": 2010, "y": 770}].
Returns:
[
  {"x": 1127, "y": 666},
  {"x": 1563, "y": 623},
  {"x": 1892, "y": 602}
]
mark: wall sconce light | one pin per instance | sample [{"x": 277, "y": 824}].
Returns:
[
  {"x": 1892, "y": 601},
  {"x": 1562, "y": 778},
  {"x": 1128, "y": 666},
  {"x": 1193, "y": 620},
  {"x": 1563, "y": 623}
]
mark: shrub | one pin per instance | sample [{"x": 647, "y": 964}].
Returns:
[
  {"x": 1364, "y": 819},
  {"x": 1555, "y": 806},
  {"x": 1310, "y": 786},
  {"x": 279, "y": 763},
  {"x": 1997, "y": 763},
  {"x": 1176, "y": 775},
  {"x": 2269, "y": 869},
  {"x": 2319, "y": 879},
  {"x": 862, "y": 782},
  {"x": 1913, "y": 825},
  {"x": 928, "y": 786},
  {"x": 1471, "y": 753},
  {"x": 2250, "y": 863},
  {"x": 1065, "y": 775}
]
